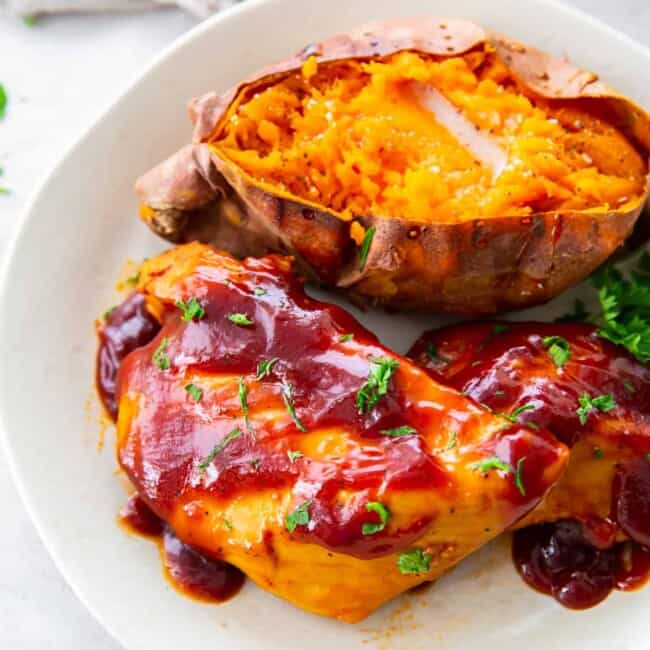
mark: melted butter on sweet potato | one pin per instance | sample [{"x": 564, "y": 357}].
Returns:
[{"x": 353, "y": 136}]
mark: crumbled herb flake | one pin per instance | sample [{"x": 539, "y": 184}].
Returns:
[
  {"x": 499, "y": 328},
  {"x": 413, "y": 562},
  {"x": 453, "y": 437},
  {"x": 194, "y": 392},
  {"x": 519, "y": 481},
  {"x": 598, "y": 453},
  {"x": 191, "y": 309},
  {"x": 160, "y": 357},
  {"x": 376, "y": 386},
  {"x": 217, "y": 449},
  {"x": 240, "y": 319},
  {"x": 628, "y": 387},
  {"x": 299, "y": 517},
  {"x": 294, "y": 455},
  {"x": 287, "y": 397},
  {"x": 384, "y": 515},
  {"x": 346, "y": 337},
  {"x": 259, "y": 291},
  {"x": 404, "y": 430},
  {"x": 558, "y": 349},
  {"x": 264, "y": 368},
  {"x": 602, "y": 403}
]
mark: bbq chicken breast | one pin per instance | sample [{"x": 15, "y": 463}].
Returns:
[{"x": 274, "y": 432}]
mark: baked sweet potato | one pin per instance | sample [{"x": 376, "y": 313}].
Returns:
[
  {"x": 274, "y": 432},
  {"x": 417, "y": 164}
]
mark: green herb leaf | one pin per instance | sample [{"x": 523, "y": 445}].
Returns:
[
  {"x": 108, "y": 312},
  {"x": 294, "y": 455},
  {"x": 365, "y": 247},
  {"x": 514, "y": 416},
  {"x": 346, "y": 337},
  {"x": 259, "y": 291},
  {"x": 191, "y": 309},
  {"x": 256, "y": 464},
  {"x": 299, "y": 517},
  {"x": 217, "y": 449},
  {"x": 3, "y": 101},
  {"x": 628, "y": 387},
  {"x": 30, "y": 20},
  {"x": 453, "y": 436},
  {"x": 413, "y": 562},
  {"x": 558, "y": 349},
  {"x": 404, "y": 430},
  {"x": 499, "y": 328},
  {"x": 240, "y": 319},
  {"x": 160, "y": 357},
  {"x": 242, "y": 392},
  {"x": 579, "y": 313},
  {"x": 264, "y": 368},
  {"x": 494, "y": 462},
  {"x": 598, "y": 453},
  {"x": 602, "y": 403},
  {"x": 226, "y": 523},
  {"x": 519, "y": 482},
  {"x": 384, "y": 515},
  {"x": 625, "y": 304},
  {"x": 195, "y": 392},
  {"x": 377, "y": 384},
  {"x": 433, "y": 354},
  {"x": 287, "y": 397}
]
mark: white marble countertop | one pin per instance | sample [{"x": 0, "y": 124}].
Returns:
[{"x": 60, "y": 74}]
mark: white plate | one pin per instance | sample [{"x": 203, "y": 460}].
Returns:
[{"x": 76, "y": 235}]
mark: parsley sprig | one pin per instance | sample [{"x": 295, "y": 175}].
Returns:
[
  {"x": 413, "y": 562},
  {"x": 494, "y": 462},
  {"x": 558, "y": 348},
  {"x": 160, "y": 357},
  {"x": 376, "y": 386},
  {"x": 287, "y": 397},
  {"x": 365, "y": 247},
  {"x": 264, "y": 368},
  {"x": 299, "y": 517},
  {"x": 404, "y": 430},
  {"x": 625, "y": 303},
  {"x": 240, "y": 319}
]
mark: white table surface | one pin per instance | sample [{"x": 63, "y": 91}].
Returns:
[{"x": 60, "y": 74}]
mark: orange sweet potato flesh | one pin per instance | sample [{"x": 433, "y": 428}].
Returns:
[{"x": 490, "y": 175}]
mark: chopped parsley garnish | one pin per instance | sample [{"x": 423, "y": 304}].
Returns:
[
  {"x": 494, "y": 462},
  {"x": 579, "y": 313},
  {"x": 514, "y": 416},
  {"x": 287, "y": 396},
  {"x": 365, "y": 247},
  {"x": 404, "y": 430},
  {"x": 598, "y": 453},
  {"x": 376, "y": 386},
  {"x": 602, "y": 403},
  {"x": 628, "y": 387},
  {"x": 226, "y": 523},
  {"x": 625, "y": 304},
  {"x": 108, "y": 312},
  {"x": 299, "y": 517},
  {"x": 294, "y": 455},
  {"x": 256, "y": 464},
  {"x": 195, "y": 392},
  {"x": 191, "y": 309},
  {"x": 499, "y": 328},
  {"x": 416, "y": 561},
  {"x": 242, "y": 393},
  {"x": 3, "y": 101},
  {"x": 160, "y": 357},
  {"x": 384, "y": 515},
  {"x": 240, "y": 319},
  {"x": 558, "y": 349},
  {"x": 264, "y": 368},
  {"x": 452, "y": 440},
  {"x": 218, "y": 448},
  {"x": 259, "y": 291},
  {"x": 346, "y": 337},
  {"x": 519, "y": 482}
]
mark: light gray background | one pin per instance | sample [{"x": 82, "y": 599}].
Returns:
[{"x": 60, "y": 75}]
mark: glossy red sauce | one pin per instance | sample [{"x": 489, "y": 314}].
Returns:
[
  {"x": 191, "y": 572},
  {"x": 127, "y": 327},
  {"x": 575, "y": 563},
  {"x": 171, "y": 434}
]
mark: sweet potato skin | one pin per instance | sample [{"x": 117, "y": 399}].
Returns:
[{"x": 481, "y": 266}]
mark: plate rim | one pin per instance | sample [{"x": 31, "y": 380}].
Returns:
[{"x": 27, "y": 213}]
